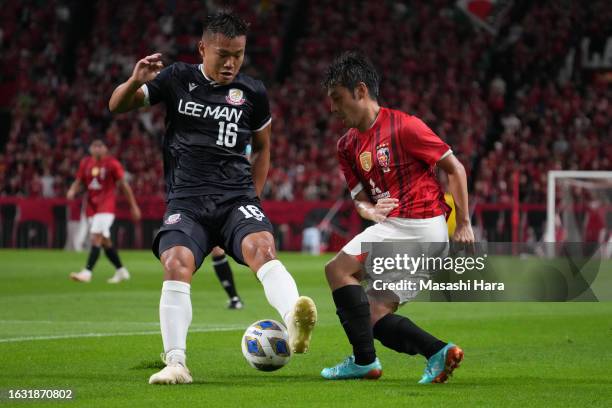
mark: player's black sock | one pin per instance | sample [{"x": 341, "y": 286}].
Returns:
[
  {"x": 400, "y": 334},
  {"x": 353, "y": 309},
  {"x": 94, "y": 254},
  {"x": 224, "y": 273},
  {"x": 113, "y": 256}
]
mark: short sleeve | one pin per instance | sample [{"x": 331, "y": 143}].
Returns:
[
  {"x": 348, "y": 169},
  {"x": 118, "y": 171},
  {"x": 261, "y": 109},
  {"x": 156, "y": 90},
  {"x": 422, "y": 143},
  {"x": 81, "y": 171}
]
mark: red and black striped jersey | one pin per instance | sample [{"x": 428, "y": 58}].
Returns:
[{"x": 396, "y": 158}]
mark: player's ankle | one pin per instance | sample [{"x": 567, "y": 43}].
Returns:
[{"x": 176, "y": 356}]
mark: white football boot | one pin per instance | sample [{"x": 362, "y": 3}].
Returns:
[
  {"x": 175, "y": 372},
  {"x": 83, "y": 276},
  {"x": 300, "y": 324},
  {"x": 120, "y": 275}
]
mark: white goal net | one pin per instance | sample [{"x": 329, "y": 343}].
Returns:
[{"x": 579, "y": 206}]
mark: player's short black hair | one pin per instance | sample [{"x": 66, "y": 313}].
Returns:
[
  {"x": 350, "y": 68},
  {"x": 226, "y": 23}
]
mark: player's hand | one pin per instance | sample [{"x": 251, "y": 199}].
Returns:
[
  {"x": 70, "y": 194},
  {"x": 383, "y": 207},
  {"x": 135, "y": 213},
  {"x": 147, "y": 68},
  {"x": 464, "y": 234}
]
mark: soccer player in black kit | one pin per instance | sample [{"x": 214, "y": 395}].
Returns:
[{"x": 213, "y": 190}]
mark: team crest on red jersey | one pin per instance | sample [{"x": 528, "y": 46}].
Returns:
[
  {"x": 383, "y": 156},
  {"x": 365, "y": 159}
]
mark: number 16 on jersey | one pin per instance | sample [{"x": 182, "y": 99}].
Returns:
[{"x": 227, "y": 134}]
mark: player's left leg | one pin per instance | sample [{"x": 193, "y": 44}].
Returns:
[
  {"x": 226, "y": 277},
  {"x": 121, "y": 273},
  {"x": 402, "y": 335},
  {"x": 299, "y": 312}
]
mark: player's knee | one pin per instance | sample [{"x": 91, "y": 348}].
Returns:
[
  {"x": 259, "y": 249},
  {"x": 176, "y": 268},
  {"x": 97, "y": 239},
  {"x": 379, "y": 310}
]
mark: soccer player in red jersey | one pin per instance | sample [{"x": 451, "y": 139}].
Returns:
[
  {"x": 101, "y": 174},
  {"x": 388, "y": 158}
]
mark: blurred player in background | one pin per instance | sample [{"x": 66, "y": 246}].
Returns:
[
  {"x": 101, "y": 174},
  {"x": 213, "y": 190},
  {"x": 223, "y": 270},
  {"x": 388, "y": 159}
]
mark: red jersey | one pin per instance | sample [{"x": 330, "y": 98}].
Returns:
[
  {"x": 396, "y": 158},
  {"x": 100, "y": 177}
]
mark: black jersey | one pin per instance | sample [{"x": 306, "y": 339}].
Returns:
[{"x": 208, "y": 127}]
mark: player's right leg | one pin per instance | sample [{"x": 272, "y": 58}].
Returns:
[
  {"x": 178, "y": 245},
  {"x": 343, "y": 274},
  {"x": 86, "y": 273},
  {"x": 175, "y": 311}
]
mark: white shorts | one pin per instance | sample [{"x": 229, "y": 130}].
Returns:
[
  {"x": 101, "y": 224},
  {"x": 401, "y": 230}
]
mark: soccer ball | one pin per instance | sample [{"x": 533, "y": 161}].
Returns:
[{"x": 265, "y": 345}]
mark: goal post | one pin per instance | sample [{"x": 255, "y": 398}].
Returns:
[{"x": 597, "y": 181}]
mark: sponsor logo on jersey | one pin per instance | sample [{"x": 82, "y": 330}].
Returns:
[
  {"x": 192, "y": 86},
  {"x": 198, "y": 110},
  {"x": 384, "y": 157},
  {"x": 365, "y": 159},
  {"x": 235, "y": 96},
  {"x": 172, "y": 219},
  {"x": 376, "y": 192}
]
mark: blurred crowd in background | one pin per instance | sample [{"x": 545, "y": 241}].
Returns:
[{"x": 505, "y": 103}]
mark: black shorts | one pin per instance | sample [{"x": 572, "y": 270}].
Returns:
[{"x": 204, "y": 222}]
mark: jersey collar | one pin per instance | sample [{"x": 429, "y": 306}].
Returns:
[{"x": 210, "y": 81}]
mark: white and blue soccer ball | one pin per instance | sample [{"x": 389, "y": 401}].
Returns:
[{"x": 265, "y": 345}]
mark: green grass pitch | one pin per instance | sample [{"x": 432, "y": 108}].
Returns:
[{"x": 103, "y": 342}]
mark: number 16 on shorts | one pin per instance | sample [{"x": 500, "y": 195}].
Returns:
[{"x": 251, "y": 211}]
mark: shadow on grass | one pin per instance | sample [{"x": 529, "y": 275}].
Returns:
[{"x": 150, "y": 364}]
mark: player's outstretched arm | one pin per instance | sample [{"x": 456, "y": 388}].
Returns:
[
  {"x": 260, "y": 158},
  {"x": 128, "y": 95},
  {"x": 374, "y": 212},
  {"x": 74, "y": 189},
  {"x": 129, "y": 194},
  {"x": 457, "y": 185}
]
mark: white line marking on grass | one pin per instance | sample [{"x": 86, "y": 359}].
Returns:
[
  {"x": 75, "y": 322},
  {"x": 86, "y": 335}
]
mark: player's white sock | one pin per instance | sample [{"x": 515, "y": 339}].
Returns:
[
  {"x": 279, "y": 286},
  {"x": 175, "y": 318}
]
